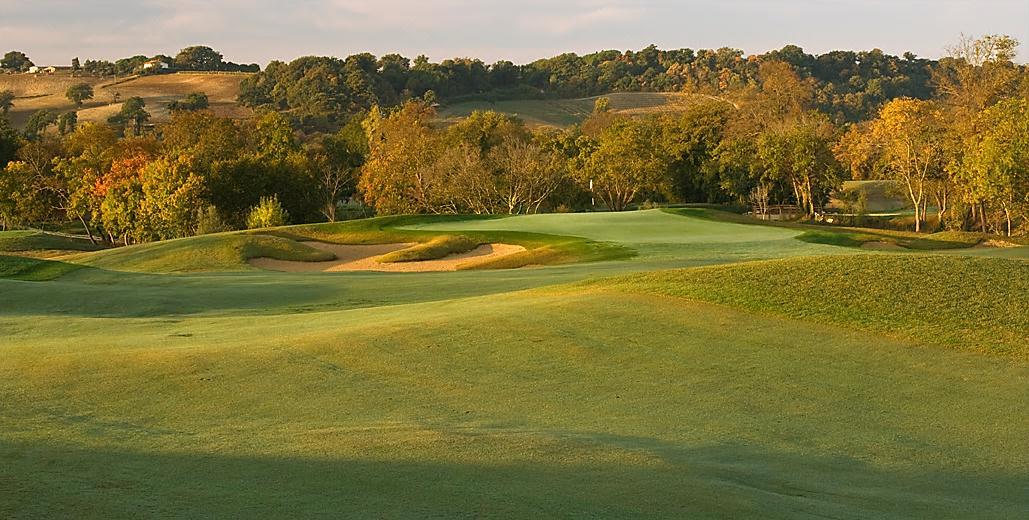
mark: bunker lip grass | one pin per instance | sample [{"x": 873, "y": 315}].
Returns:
[{"x": 370, "y": 258}]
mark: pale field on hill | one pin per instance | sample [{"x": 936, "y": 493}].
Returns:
[{"x": 37, "y": 92}]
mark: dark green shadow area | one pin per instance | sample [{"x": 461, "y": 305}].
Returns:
[{"x": 717, "y": 481}]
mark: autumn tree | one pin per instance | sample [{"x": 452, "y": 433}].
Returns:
[
  {"x": 626, "y": 161},
  {"x": 912, "y": 140},
  {"x": 399, "y": 176},
  {"x": 525, "y": 175},
  {"x": 996, "y": 170}
]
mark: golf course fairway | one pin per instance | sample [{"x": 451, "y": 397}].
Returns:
[{"x": 643, "y": 364}]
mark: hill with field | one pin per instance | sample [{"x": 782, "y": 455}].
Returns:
[
  {"x": 660, "y": 363},
  {"x": 35, "y": 92},
  {"x": 560, "y": 113}
]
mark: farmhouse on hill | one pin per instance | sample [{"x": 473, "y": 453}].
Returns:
[{"x": 156, "y": 64}]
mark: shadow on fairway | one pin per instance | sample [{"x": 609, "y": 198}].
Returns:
[{"x": 698, "y": 482}]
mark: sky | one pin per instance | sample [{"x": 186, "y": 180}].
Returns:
[{"x": 51, "y": 32}]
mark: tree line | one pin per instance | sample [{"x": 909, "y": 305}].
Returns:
[
  {"x": 961, "y": 156},
  {"x": 192, "y": 58},
  {"x": 848, "y": 85}
]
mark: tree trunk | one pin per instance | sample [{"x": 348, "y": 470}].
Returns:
[{"x": 88, "y": 232}]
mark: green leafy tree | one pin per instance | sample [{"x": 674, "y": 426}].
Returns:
[
  {"x": 996, "y": 170},
  {"x": 267, "y": 213},
  {"x": 198, "y": 57},
  {"x": 335, "y": 160},
  {"x": 192, "y": 101},
  {"x": 38, "y": 122},
  {"x": 79, "y": 92},
  {"x": 10, "y": 141},
  {"x": 16, "y": 61},
  {"x": 626, "y": 161},
  {"x": 799, "y": 153},
  {"x": 66, "y": 122},
  {"x": 6, "y": 101},
  {"x": 133, "y": 112}
]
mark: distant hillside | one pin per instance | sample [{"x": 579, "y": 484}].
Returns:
[
  {"x": 36, "y": 92},
  {"x": 561, "y": 113}
]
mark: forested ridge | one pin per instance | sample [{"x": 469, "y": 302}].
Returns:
[{"x": 849, "y": 85}]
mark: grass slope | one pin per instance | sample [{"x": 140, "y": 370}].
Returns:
[
  {"x": 41, "y": 242},
  {"x": 219, "y": 252},
  {"x": 977, "y": 304},
  {"x": 32, "y": 269},
  {"x": 230, "y": 251},
  {"x": 566, "y": 112},
  {"x": 38, "y": 92},
  {"x": 561, "y": 403},
  {"x": 774, "y": 389}
]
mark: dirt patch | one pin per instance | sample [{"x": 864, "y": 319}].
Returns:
[
  {"x": 365, "y": 258},
  {"x": 882, "y": 246},
  {"x": 997, "y": 243}
]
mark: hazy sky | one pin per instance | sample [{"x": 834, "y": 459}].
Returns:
[{"x": 53, "y": 31}]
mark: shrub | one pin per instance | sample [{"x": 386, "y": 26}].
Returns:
[
  {"x": 210, "y": 221},
  {"x": 267, "y": 213}
]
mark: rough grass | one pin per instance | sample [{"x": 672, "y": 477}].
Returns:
[
  {"x": 976, "y": 304},
  {"x": 33, "y": 269},
  {"x": 219, "y": 252},
  {"x": 38, "y": 92},
  {"x": 434, "y": 249},
  {"x": 41, "y": 241}
]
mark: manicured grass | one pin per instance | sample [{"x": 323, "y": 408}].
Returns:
[
  {"x": 611, "y": 388},
  {"x": 848, "y": 236},
  {"x": 230, "y": 251},
  {"x": 556, "y": 403},
  {"x": 977, "y": 304},
  {"x": 32, "y": 269}
]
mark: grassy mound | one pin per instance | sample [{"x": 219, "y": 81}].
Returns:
[
  {"x": 230, "y": 251},
  {"x": 40, "y": 241},
  {"x": 434, "y": 249},
  {"x": 977, "y": 304},
  {"x": 32, "y": 269},
  {"x": 221, "y": 252}
]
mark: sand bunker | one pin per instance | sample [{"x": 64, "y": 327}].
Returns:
[{"x": 365, "y": 258}]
